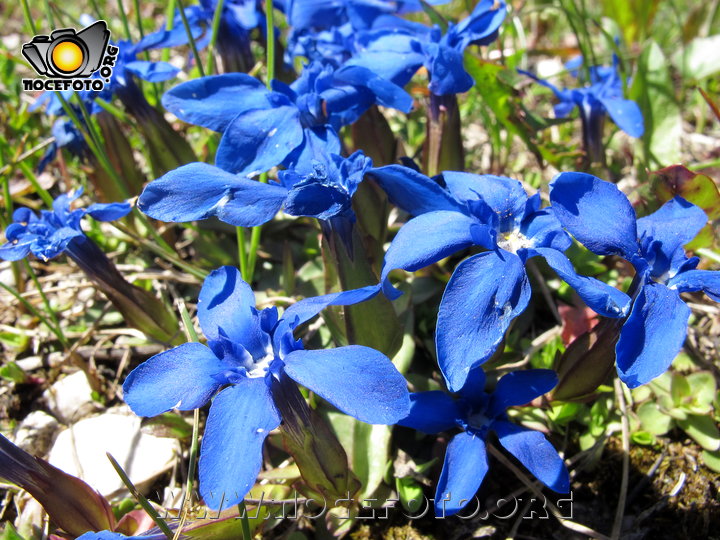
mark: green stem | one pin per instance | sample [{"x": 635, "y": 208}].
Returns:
[
  {"x": 48, "y": 13},
  {"x": 242, "y": 253},
  {"x": 270, "y": 39},
  {"x": 41, "y": 191},
  {"x": 270, "y": 50},
  {"x": 28, "y": 17},
  {"x": 191, "y": 39},
  {"x": 139, "y": 497},
  {"x": 213, "y": 36},
  {"x": 200, "y": 274},
  {"x": 169, "y": 20},
  {"x": 123, "y": 18},
  {"x": 46, "y": 302},
  {"x": 99, "y": 14},
  {"x": 34, "y": 311},
  {"x": 247, "y": 535}
]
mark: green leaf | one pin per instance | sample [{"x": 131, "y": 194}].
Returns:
[
  {"x": 703, "y": 430},
  {"x": 643, "y": 437},
  {"x": 12, "y": 372},
  {"x": 411, "y": 493},
  {"x": 653, "y": 90},
  {"x": 712, "y": 460},
  {"x": 367, "y": 447},
  {"x": 700, "y": 59},
  {"x": 653, "y": 419},
  {"x": 633, "y": 16},
  {"x": 678, "y": 180},
  {"x": 703, "y": 387},
  {"x": 15, "y": 340},
  {"x": 564, "y": 413},
  {"x": 10, "y": 533},
  {"x": 679, "y": 389}
]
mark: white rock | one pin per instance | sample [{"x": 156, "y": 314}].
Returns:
[
  {"x": 36, "y": 432},
  {"x": 70, "y": 398},
  {"x": 80, "y": 450}
]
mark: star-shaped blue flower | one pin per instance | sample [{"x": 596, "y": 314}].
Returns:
[
  {"x": 396, "y": 48},
  {"x": 54, "y": 231},
  {"x": 486, "y": 291},
  {"x": 287, "y": 125},
  {"x": 603, "y": 96},
  {"x": 198, "y": 191},
  {"x": 600, "y": 217},
  {"x": 248, "y": 352},
  {"x": 478, "y": 413}
]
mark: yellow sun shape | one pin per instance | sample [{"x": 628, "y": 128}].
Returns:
[{"x": 67, "y": 56}]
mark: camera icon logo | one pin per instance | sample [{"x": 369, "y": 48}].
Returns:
[{"x": 68, "y": 54}]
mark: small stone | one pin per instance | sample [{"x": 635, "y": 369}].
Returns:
[
  {"x": 36, "y": 432},
  {"x": 80, "y": 451},
  {"x": 70, "y": 398}
]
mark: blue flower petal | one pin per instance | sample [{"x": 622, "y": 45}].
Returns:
[
  {"x": 485, "y": 19},
  {"x": 258, "y": 140},
  {"x": 306, "y": 309},
  {"x": 226, "y": 309},
  {"x": 214, "y": 101},
  {"x": 543, "y": 229},
  {"x": 316, "y": 141},
  {"x": 184, "y": 378},
  {"x": 413, "y": 191},
  {"x": 504, "y": 195},
  {"x": 322, "y": 200},
  {"x": 626, "y": 114},
  {"x": 473, "y": 391},
  {"x": 198, "y": 191},
  {"x": 601, "y": 297},
  {"x": 519, "y": 388},
  {"x": 431, "y": 412},
  {"x": 706, "y": 281},
  {"x": 464, "y": 470},
  {"x": 485, "y": 293},
  {"x": 240, "y": 419},
  {"x": 108, "y": 211},
  {"x": 533, "y": 450},
  {"x": 652, "y": 335},
  {"x": 447, "y": 72},
  {"x": 672, "y": 226},
  {"x": 386, "y": 93},
  {"x": 359, "y": 381},
  {"x": 595, "y": 212},
  {"x": 14, "y": 251},
  {"x": 152, "y": 71},
  {"x": 427, "y": 239}
]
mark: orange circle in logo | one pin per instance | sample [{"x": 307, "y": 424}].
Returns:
[{"x": 67, "y": 56}]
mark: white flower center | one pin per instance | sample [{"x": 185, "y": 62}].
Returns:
[{"x": 513, "y": 241}]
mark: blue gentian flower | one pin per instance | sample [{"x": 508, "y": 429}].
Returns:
[
  {"x": 603, "y": 96},
  {"x": 109, "y": 535},
  {"x": 54, "y": 231},
  {"x": 199, "y": 191},
  {"x": 600, "y": 217},
  {"x": 395, "y": 49},
  {"x": 326, "y": 29},
  {"x": 477, "y": 413},
  {"x": 288, "y": 125},
  {"x": 486, "y": 291},
  {"x": 248, "y": 352}
]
